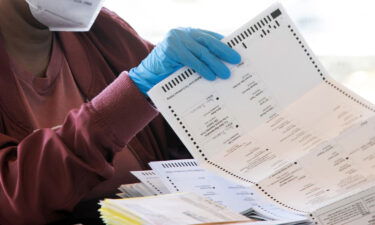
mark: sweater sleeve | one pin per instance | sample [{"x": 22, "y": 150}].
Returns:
[
  {"x": 115, "y": 47},
  {"x": 49, "y": 171}
]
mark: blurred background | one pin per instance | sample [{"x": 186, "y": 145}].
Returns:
[{"x": 340, "y": 32}]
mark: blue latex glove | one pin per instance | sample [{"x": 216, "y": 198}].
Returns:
[{"x": 198, "y": 49}]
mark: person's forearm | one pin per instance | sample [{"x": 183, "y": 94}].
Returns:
[{"x": 50, "y": 171}]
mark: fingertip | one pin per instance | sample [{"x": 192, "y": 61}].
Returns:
[
  {"x": 224, "y": 74},
  {"x": 206, "y": 73},
  {"x": 235, "y": 58},
  {"x": 209, "y": 77},
  {"x": 230, "y": 55}
]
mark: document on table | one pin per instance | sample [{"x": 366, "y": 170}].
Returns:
[
  {"x": 152, "y": 180},
  {"x": 187, "y": 176},
  {"x": 136, "y": 190},
  {"x": 279, "y": 123},
  {"x": 171, "y": 209}
]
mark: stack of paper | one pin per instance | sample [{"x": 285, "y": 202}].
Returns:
[
  {"x": 177, "y": 176},
  {"x": 136, "y": 190},
  {"x": 150, "y": 185},
  {"x": 188, "y": 176},
  {"x": 174, "y": 209}
]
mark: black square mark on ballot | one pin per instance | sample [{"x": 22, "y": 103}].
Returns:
[{"x": 276, "y": 13}]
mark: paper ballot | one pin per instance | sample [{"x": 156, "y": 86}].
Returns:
[
  {"x": 152, "y": 180},
  {"x": 187, "y": 176},
  {"x": 136, "y": 190},
  {"x": 172, "y": 209},
  {"x": 175, "y": 209},
  {"x": 280, "y": 123}
]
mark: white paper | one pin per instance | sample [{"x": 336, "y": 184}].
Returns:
[
  {"x": 181, "y": 208},
  {"x": 354, "y": 208},
  {"x": 187, "y": 176},
  {"x": 280, "y": 122},
  {"x": 136, "y": 190},
  {"x": 152, "y": 180},
  {"x": 279, "y": 222}
]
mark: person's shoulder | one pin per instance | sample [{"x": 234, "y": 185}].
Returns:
[
  {"x": 109, "y": 20},
  {"x": 117, "y": 41}
]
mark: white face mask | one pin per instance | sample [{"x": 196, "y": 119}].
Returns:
[{"x": 66, "y": 15}]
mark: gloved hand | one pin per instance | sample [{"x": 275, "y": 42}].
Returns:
[{"x": 198, "y": 49}]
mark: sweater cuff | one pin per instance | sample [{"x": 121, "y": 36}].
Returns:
[{"x": 124, "y": 108}]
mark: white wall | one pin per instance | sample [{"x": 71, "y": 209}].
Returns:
[
  {"x": 331, "y": 27},
  {"x": 334, "y": 27}
]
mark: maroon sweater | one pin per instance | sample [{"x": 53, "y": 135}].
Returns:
[{"x": 44, "y": 174}]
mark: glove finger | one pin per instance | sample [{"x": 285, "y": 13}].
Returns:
[
  {"x": 190, "y": 60},
  {"x": 213, "y": 34},
  {"x": 221, "y": 50},
  {"x": 213, "y": 63}
]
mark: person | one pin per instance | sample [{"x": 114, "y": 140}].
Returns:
[{"x": 74, "y": 113}]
